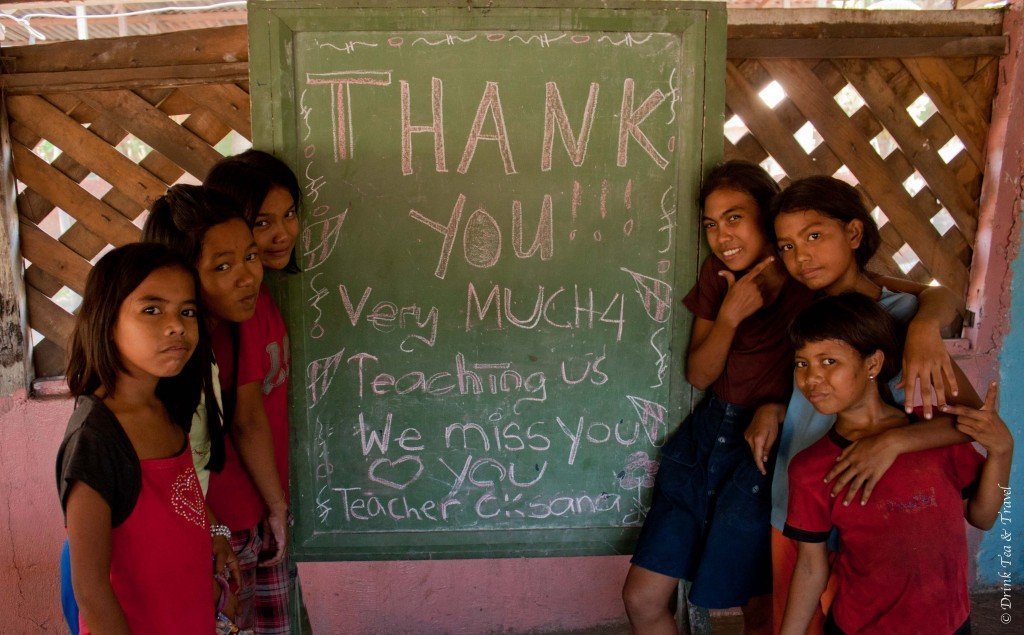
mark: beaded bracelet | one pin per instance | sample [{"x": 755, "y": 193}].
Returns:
[{"x": 220, "y": 530}]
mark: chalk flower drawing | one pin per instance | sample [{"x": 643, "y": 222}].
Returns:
[{"x": 640, "y": 471}]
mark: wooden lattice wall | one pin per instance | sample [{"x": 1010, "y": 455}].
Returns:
[
  {"x": 72, "y": 106},
  {"x": 173, "y": 97}
]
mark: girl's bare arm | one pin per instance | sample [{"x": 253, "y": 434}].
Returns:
[
  {"x": 809, "y": 579},
  {"x": 251, "y": 431},
  {"x": 89, "y": 530},
  {"x": 985, "y": 426}
]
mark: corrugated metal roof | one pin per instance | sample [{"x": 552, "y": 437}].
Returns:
[{"x": 57, "y": 22}]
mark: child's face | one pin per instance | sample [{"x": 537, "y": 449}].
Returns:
[
  {"x": 230, "y": 271},
  {"x": 157, "y": 325},
  {"x": 276, "y": 228},
  {"x": 732, "y": 222},
  {"x": 819, "y": 251},
  {"x": 833, "y": 375}
]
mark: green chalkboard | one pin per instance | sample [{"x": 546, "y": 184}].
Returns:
[{"x": 498, "y": 227}]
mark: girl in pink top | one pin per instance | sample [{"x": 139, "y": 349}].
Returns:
[
  {"x": 209, "y": 230},
  {"x": 136, "y": 519}
]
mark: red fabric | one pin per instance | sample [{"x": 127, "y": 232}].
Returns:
[
  {"x": 263, "y": 357},
  {"x": 902, "y": 563},
  {"x": 231, "y": 495},
  {"x": 759, "y": 368},
  {"x": 160, "y": 561}
]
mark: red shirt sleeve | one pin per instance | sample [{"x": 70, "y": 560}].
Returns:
[
  {"x": 809, "y": 518},
  {"x": 965, "y": 465},
  {"x": 705, "y": 298}
]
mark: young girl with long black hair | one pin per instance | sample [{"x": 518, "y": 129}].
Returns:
[{"x": 136, "y": 519}]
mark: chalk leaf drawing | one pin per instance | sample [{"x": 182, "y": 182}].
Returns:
[
  {"x": 319, "y": 239},
  {"x": 652, "y": 416},
  {"x": 655, "y": 295},
  {"x": 319, "y": 374}
]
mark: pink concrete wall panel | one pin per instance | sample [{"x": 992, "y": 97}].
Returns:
[
  {"x": 464, "y": 596},
  {"x": 31, "y": 526}
]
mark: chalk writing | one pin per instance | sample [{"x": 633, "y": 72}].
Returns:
[
  {"x": 349, "y": 46},
  {"x": 661, "y": 362},
  {"x": 472, "y": 238}
]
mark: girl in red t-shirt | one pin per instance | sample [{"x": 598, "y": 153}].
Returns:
[
  {"x": 136, "y": 520},
  {"x": 912, "y": 528},
  {"x": 267, "y": 192}
]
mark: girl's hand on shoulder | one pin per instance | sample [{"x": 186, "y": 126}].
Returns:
[
  {"x": 744, "y": 296},
  {"x": 927, "y": 363},
  {"x": 860, "y": 466},
  {"x": 984, "y": 424}
]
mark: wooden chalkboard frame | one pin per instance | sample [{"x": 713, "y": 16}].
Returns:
[{"x": 272, "y": 26}]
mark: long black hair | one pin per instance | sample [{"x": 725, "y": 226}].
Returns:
[{"x": 94, "y": 361}]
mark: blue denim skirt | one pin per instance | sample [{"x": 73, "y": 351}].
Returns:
[{"x": 709, "y": 521}]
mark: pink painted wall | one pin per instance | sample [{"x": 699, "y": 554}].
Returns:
[
  {"x": 464, "y": 596},
  {"x": 31, "y": 527}
]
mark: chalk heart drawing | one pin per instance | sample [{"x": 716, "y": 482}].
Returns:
[{"x": 394, "y": 478}]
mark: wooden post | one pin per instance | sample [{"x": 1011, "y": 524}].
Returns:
[
  {"x": 15, "y": 362},
  {"x": 1002, "y": 198}
]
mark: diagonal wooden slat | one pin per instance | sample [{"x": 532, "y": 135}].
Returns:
[
  {"x": 762, "y": 122},
  {"x": 151, "y": 126},
  {"x": 82, "y": 241},
  {"x": 49, "y": 319},
  {"x": 53, "y": 257},
  {"x": 42, "y": 281},
  {"x": 227, "y": 102},
  {"x": 955, "y": 104},
  {"x": 69, "y": 196},
  {"x": 89, "y": 150},
  {"x": 914, "y": 145},
  {"x": 982, "y": 84},
  {"x": 804, "y": 88}
]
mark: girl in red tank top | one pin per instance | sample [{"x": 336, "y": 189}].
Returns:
[{"x": 136, "y": 519}]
